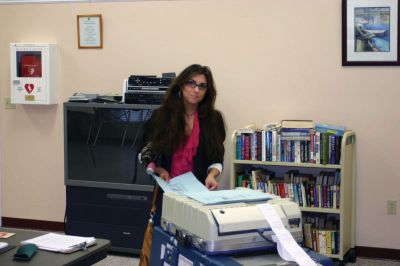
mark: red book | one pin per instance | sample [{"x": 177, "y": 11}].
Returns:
[
  {"x": 247, "y": 147},
  {"x": 281, "y": 187},
  {"x": 30, "y": 66}
]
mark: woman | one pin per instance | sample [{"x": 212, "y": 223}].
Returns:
[{"x": 187, "y": 132}]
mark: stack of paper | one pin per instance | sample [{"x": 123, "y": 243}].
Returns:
[
  {"x": 188, "y": 185},
  {"x": 61, "y": 243},
  {"x": 6, "y": 234},
  {"x": 230, "y": 196}
]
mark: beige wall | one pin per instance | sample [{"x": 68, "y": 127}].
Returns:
[{"x": 272, "y": 60}]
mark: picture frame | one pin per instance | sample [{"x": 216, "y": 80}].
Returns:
[
  {"x": 90, "y": 31},
  {"x": 370, "y": 32}
]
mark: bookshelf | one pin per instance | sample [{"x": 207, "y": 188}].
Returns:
[{"x": 342, "y": 211}]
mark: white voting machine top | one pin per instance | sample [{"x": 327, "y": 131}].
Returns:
[{"x": 226, "y": 228}]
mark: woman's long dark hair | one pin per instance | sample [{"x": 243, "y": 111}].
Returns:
[{"x": 168, "y": 123}]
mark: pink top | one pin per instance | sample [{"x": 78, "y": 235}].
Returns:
[{"x": 182, "y": 159}]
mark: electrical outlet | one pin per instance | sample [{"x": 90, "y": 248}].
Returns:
[
  {"x": 8, "y": 104},
  {"x": 391, "y": 207}
]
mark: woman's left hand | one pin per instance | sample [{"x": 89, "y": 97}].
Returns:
[{"x": 211, "y": 182}]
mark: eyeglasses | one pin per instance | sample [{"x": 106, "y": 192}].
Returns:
[{"x": 192, "y": 84}]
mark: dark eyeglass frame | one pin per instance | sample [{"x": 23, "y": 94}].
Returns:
[{"x": 192, "y": 84}]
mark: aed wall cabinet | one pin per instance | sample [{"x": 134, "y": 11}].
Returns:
[{"x": 33, "y": 73}]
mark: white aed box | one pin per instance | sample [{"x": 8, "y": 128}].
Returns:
[{"x": 33, "y": 73}]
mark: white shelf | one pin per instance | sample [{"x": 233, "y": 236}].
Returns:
[
  {"x": 346, "y": 212},
  {"x": 288, "y": 164}
]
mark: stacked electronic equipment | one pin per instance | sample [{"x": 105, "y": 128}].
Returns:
[{"x": 142, "y": 89}]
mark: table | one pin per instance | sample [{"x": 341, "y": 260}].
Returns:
[{"x": 92, "y": 254}]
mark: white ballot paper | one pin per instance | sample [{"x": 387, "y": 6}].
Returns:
[
  {"x": 287, "y": 247},
  {"x": 61, "y": 243},
  {"x": 183, "y": 184},
  {"x": 229, "y": 196}
]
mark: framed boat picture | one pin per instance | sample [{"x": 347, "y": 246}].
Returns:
[{"x": 370, "y": 32}]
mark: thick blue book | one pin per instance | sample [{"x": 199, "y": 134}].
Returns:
[{"x": 328, "y": 128}]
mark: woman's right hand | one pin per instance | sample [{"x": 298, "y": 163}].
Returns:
[{"x": 162, "y": 173}]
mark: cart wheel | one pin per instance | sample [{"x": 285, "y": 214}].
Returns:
[
  {"x": 351, "y": 256},
  {"x": 339, "y": 263}
]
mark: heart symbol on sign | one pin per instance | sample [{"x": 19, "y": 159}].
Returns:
[{"x": 29, "y": 88}]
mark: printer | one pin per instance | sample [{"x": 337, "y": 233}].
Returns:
[{"x": 226, "y": 228}]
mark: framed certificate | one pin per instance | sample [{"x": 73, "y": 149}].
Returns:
[{"x": 90, "y": 31}]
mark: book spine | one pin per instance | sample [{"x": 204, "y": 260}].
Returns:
[
  {"x": 253, "y": 180},
  {"x": 303, "y": 195},
  {"x": 297, "y": 153},
  {"x": 317, "y": 148},
  {"x": 238, "y": 146},
  {"x": 259, "y": 145},
  {"x": 278, "y": 148},
  {"x": 315, "y": 239},
  {"x": 296, "y": 193},
  {"x": 300, "y": 193},
  {"x": 246, "y": 146},
  {"x": 269, "y": 146},
  {"x": 316, "y": 195},
  {"x": 331, "y": 149},
  {"x": 311, "y": 150},
  {"x": 338, "y": 147},
  {"x": 252, "y": 146},
  {"x": 239, "y": 181},
  {"x": 325, "y": 148},
  {"x": 242, "y": 145},
  {"x": 292, "y": 151},
  {"x": 273, "y": 146},
  {"x": 263, "y": 146},
  {"x": 328, "y": 234},
  {"x": 322, "y": 241},
  {"x": 283, "y": 151}
]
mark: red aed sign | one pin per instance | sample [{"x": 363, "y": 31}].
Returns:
[{"x": 30, "y": 66}]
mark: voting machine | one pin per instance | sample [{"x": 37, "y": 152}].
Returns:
[{"x": 226, "y": 228}]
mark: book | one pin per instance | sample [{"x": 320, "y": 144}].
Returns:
[
  {"x": 61, "y": 243},
  {"x": 246, "y": 146},
  {"x": 6, "y": 234},
  {"x": 258, "y": 134},
  {"x": 255, "y": 179},
  {"x": 247, "y": 129},
  {"x": 295, "y": 131},
  {"x": 297, "y": 124},
  {"x": 328, "y": 128},
  {"x": 238, "y": 146},
  {"x": 271, "y": 126},
  {"x": 5, "y": 247},
  {"x": 253, "y": 146},
  {"x": 273, "y": 145},
  {"x": 317, "y": 147},
  {"x": 322, "y": 241},
  {"x": 328, "y": 234}
]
